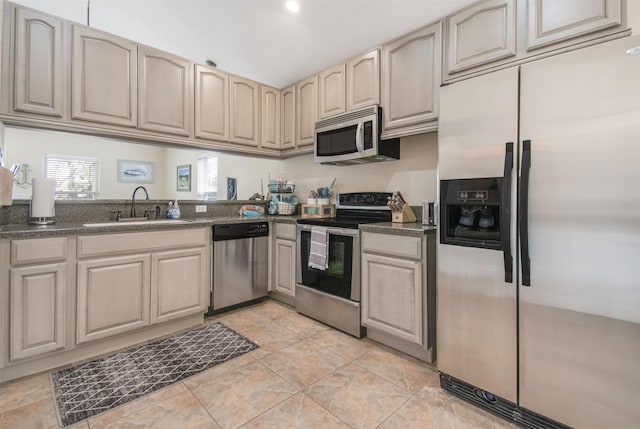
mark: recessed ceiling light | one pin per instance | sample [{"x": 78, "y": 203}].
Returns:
[{"x": 293, "y": 6}]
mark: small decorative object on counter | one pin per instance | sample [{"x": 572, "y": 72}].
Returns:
[
  {"x": 251, "y": 211},
  {"x": 318, "y": 211},
  {"x": 400, "y": 210},
  {"x": 169, "y": 212}
]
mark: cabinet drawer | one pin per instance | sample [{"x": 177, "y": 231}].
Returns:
[
  {"x": 393, "y": 245},
  {"x": 285, "y": 230},
  {"x": 38, "y": 250},
  {"x": 116, "y": 244}
]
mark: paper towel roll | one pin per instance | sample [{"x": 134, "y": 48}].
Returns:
[{"x": 42, "y": 199}]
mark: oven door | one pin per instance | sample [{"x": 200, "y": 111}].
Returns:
[{"x": 342, "y": 277}]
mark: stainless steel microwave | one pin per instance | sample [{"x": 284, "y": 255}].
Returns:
[{"x": 353, "y": 138}]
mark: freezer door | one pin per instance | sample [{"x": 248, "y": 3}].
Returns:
[
  {"x": 476, "y": 308},
  {"x": 580, "y": 317}
]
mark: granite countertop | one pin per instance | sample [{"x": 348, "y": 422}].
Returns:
[
  {"x": 23, "y": 230},
  {"x": 414, "y": 229}
]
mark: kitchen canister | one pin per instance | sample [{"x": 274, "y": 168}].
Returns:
[{"x": 41, "y": 210}]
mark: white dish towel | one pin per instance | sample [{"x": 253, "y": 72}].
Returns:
[{"x": 318, "y": 251}]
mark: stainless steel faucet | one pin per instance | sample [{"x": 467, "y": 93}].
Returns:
[{"x": 133, "y": 199}]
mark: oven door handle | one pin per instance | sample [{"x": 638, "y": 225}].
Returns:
[{"x": 334, "y": 231}]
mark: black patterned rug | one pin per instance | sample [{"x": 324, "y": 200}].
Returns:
[{"x": 94, "y": 387}]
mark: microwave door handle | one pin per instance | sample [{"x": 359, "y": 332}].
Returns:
[{"x": 359, "y": 138}]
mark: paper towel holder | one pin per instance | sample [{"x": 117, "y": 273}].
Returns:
[{"x": 41, "y": 220}]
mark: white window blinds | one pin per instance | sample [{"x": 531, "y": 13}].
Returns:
[
  {"x": 207, "y": 174},
  {"x": 75, "y": 177}
]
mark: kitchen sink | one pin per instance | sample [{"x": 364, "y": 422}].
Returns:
[{"x": 135, "y": 222}]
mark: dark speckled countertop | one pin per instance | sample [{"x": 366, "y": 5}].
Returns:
[
  {"x": 23, "y": 230},
  {"x": 412, "y": 229}
]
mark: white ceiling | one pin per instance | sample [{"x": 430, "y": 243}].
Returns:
[{"x": 258, "y": 39}]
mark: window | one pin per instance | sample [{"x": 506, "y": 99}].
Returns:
[
  {"x": 75, "y": 177},
  {"x": 207, "y": 174}
]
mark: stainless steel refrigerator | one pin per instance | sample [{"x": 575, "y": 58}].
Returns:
[{"x": 538, "y": 306}]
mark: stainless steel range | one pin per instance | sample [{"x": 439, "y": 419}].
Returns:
[{"x": 332, "y": 295}]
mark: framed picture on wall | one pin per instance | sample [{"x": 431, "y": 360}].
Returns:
[
  {"x": 183, "y": 173},
  {"x": 232, "y": 188},
  {"x": 135, "y": 171}
]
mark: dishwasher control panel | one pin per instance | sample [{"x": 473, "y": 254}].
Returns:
[{"x": 235, "y": 231}]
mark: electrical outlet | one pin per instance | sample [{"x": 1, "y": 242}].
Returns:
[{"x": 201, "y": 209}]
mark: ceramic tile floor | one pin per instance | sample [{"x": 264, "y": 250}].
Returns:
[{"x": 304, "y": 375}]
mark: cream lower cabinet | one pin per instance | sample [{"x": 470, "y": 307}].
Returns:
[
  {"x": 392, "y": 296},
  {"x": 37, "y": 323},
  {"x": 392, "y": 285},
  {"x": 130, "y": 281},
  {"x": 37, "y": 296},
  {"x": 177, "y": 280},
  {"x": 113, "y": 296},
  {"x": 284, "y": 277}
]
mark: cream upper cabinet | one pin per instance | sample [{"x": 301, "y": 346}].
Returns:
[
  {"x": 177, "y": 278},
  {"x": 211, "y": 103},
  {"x": 37, "y": 324},
  {"x": 481, "y": 34},
  {"x": 244, "y": 109},
  {"x": 270, "y": 122},
  {"x": 557, "y": 21},
  {"x": 306, "y": 110},
  {"x": 331, "y": 91},
  {"x": 104, "y": 77},
  {"x": 495, "y": 34},
  {"x": 39, "y": 63},
  {"x": 363, "y": 80},
  {"x": 410, "y": 82},
  {"x": 165, "y": 92},
  {"x": 288, "y": 116}
]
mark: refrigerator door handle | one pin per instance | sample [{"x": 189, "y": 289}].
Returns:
[
  {"x": 523, "y": 210},
  {"x": 505, "y": 227}
]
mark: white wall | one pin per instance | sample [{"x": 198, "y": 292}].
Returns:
[
  {"x": 31, "y": 145},
  {"x": 247, "y": 170},
  {"x": 414, "y": 174}
]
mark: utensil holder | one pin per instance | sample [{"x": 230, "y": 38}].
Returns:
[
  {"x": 405, "y": 215},
  {"x": 318, "y": 211}
]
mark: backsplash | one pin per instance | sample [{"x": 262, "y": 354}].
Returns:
[{"x": 101, "y": 210}]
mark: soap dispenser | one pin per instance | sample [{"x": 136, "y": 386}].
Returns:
[
  {"x": 169, "y": 212},
  {"x": 176, "y": 210}
]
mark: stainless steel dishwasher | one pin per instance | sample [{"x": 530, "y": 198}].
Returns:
[{"x": 240, "y": 271}]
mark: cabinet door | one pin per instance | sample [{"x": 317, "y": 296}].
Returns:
[
  {"x": 306, "y": 110},
  {"x": 113, "y": 296},
  {"x": 104, "y": 79},
  {"x": 178, "y": 284},
  {"x": 39, "y": 77},
  {"x": 244, "y": 110},
  {"x": 481, "y": 34},
  {"x": 331, "y": 91},
  {"x": 552, "y": 21},
  {"x": 270, "y": 123},
  {"x": 37, "y": 309},
  {"x": 410, "y": 82},
  {"x": 212, "y": 104},
  {"x": 288, "y": 96},
  {"x": 164, "y": 81},
  {"x": 285, "y": 267},
  {"x": 363, "y": 80},
  {"x": 392, "y": 296}
]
